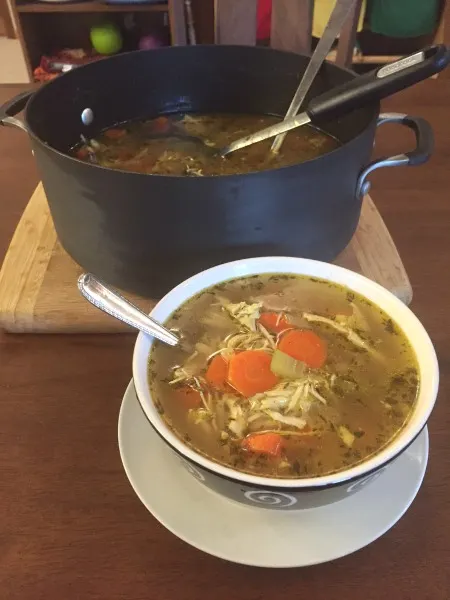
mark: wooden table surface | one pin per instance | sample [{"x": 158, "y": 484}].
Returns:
[{"x": 72, "y": 527}]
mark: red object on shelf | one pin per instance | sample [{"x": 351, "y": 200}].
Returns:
[
  {"x": 52, "y": 66},
  {"x": 263, "y": 19}
]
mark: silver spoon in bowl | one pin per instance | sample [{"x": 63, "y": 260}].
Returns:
[{"x": 112, "y": 303}]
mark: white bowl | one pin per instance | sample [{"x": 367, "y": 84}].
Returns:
[{"x": 305, "y": 492}]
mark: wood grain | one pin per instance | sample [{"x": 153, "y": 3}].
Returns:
[
  {"x": 87, "y": 7},
  {"x": 38, "y": 292},
  {"x": 235, "y": 22},
  {"x": 72, "y": 527},
  {"x": 347, "y": 38},
  {"x": 177, "y": 20},
  {"x": 6, "y": 23},
  {"x": 291, "y": 27}
]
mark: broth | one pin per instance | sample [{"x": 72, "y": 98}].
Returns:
[
  {"x": 151, "y": 147},
  {"x": 291, "y": 376}
]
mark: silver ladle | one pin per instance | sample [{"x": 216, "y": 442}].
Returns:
[
  {"x": 335, "y": 23},
  {"x": 112, "y": 303},
  {"x": 363, "y": 90}
]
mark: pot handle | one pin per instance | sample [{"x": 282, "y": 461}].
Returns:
[
  {"x": 421, "y": 153},
  {"x": 11, "y": 108}
]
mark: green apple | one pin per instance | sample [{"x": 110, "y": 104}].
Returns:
[{"x": 106, "y": 38}]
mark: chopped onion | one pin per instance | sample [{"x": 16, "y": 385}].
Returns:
[
  {"x": 346, "y": 436},
  {"x": 237, "y": 427}
]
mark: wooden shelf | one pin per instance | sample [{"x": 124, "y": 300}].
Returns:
[
  {"x": 367, "y": 59},
  {"x": 88, "y": 7}
]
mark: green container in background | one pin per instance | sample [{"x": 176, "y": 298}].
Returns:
[{"x": 403, "y": 18}]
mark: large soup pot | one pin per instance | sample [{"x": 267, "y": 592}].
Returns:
[{"x": 145, "y": 233}]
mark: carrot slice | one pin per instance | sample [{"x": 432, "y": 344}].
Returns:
[
  {"x": 304, "y": 345},
  {"x": 160, "y": 124},
  {"x": 264, "y": 443},
  {"x": 188, "y": 397},
  {"x": 82, "y": 153},
  {"x": 249, "y": 372},
  {"x": 217, "y": 372},
  {"x": 115, "y": 134},
  {"x": 273, "y": 322}
]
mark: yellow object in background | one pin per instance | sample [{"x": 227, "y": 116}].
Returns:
[{"x": 322, "y": 12}]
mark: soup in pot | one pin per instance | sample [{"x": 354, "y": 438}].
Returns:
[{"x": 170, "y": 145}]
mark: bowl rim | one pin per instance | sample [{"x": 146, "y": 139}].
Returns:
[{"x": 399, "y": 312}]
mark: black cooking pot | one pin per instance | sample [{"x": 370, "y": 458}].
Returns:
[{"x": 145, "y": 233}]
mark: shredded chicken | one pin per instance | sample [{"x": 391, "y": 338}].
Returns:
[
  {"x": 294, "y": 396},
  {"x": 246, "y": 314},
  {"x": 284, "y": 406},
  {"x": 351, "y": 335},
  {"x": 237, "y": 423},
  {"x": 267, "y": 335},
  {"x": 297, "y": 422}
]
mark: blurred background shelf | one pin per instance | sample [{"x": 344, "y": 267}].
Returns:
[
  {"x": 44, "y": 28},
  {"x": 88, "y": 7}
]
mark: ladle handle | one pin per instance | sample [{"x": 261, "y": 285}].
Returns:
[
  {"x": 379, "y": 83},
  {"x": 117, "y": 306}
]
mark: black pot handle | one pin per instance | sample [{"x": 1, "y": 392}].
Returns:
[
  {"x": 421, "y": 153},
  {"x": 12, "y": 108}
]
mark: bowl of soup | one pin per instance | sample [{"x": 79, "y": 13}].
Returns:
[{"x": 297, "y": 382}]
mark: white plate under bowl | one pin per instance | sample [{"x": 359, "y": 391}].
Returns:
[{"x": 257, "y": 536}]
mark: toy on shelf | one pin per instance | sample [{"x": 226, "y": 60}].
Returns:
[
  {"x": 106, "y": 38},
  {"x": 150, "y": 42},
  {"x": 63, "y": 61}
]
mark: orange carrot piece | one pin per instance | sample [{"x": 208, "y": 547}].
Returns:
[
  {"x": 188, "y": 397},
  {"x": 273, "y": 322},
  {"x": 304, "y": 345},
  {"x": 217, "y": 373},
  {"x": 82, "y": 153},
  {"x": 249, "y": 372},
  {"x": 264, "y": 443},
  {"x": 115, "y": 134},
  {"x": 160, "y": 124}
]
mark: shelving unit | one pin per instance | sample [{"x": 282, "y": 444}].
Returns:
[
  {"x": 43, "y": 27},
  {"x": 378, "y": 59},
  {"x": 88, "y": 7}
]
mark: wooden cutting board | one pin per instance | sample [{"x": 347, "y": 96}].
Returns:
[{"x": 38, "y": 291}]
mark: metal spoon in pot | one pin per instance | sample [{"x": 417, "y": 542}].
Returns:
[
  {"x": 112, "y": 303},
  {"x": 358, "y": 92},
  {"x": 361, "y": 91},
  {"x": 335, "y": 23}
]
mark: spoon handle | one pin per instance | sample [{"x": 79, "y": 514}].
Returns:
[
  {"x": 380, "y": 83},
  {"x": 336, "y": 22},
  {"x": 115, "y": 305}
]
